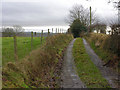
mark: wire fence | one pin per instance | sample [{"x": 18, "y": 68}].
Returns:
[{"x": 20, "y": 45}]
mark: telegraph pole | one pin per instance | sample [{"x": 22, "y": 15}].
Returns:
[
  {"x": 90, "y": 19},
  {"x": 79, "y": 15},
  {"x": 119, "y": 13}
]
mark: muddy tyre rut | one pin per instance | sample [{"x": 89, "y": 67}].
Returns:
[{"x": 69, "y": 76}]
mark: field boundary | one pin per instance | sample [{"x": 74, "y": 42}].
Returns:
[{"x": 42, "y": 36}]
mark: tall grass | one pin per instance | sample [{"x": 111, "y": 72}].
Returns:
[
  {"x": 41, "y": 69},
  {"x": 107, "y": 48},
  {"x": 109, "y": 43}
]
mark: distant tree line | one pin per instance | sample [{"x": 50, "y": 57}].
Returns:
[
  {"x": 11, "y": 31},
  {"x": 7, "y": 32}
]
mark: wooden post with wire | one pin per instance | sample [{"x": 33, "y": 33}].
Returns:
[
  {"x": 41, "y": 36},
  {"x": 56, "y": 30},
  {"x": 31, "y": 40},
  {"x": 48, "y": 32},
  {"x": 15, "y": 48},
  {"x": 52, "y": 30}
]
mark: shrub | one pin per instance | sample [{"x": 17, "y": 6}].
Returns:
[
  {"x": 107, "y": 42},
  {"x": 77, "y": 27}
]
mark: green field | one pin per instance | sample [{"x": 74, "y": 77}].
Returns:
[{"x": 23, "y": 47}]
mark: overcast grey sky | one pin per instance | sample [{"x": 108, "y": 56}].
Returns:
[{"x": 49, "y": 12}]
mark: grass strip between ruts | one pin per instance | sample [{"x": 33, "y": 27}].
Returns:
[{"x": 87, "y": 71}]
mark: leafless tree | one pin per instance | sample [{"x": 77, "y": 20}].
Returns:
[
  {"x": 18, "y": 29},
  {"x": 116, "y": 4},
  {"x": 115, "y": 26},
  {"x": 78, "y": 11},
  {"x": 11, "y": 31},
  {"x": 7, "y": 32}
]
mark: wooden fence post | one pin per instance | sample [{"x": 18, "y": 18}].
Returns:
[
  {"x": 35, "y": 34},
  {"x": 52, "y": 30},
  {"x": 48, "y": 32},
  {"x": 56, "y": 30},
  {"x": 31, "y": 40},
  {"x": 41, "y": 35},
  {"x": 15, "y": 48}
]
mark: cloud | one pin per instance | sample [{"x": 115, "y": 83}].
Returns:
[
  {"x": 47, "y": 12},
  {"x": 32, "y": 13}
]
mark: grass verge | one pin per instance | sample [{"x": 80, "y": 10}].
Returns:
[
  {"x": 87, "y": 71},
  {"x": 104, "y": 55},
  {"x": 41, "y": 69},
  {"x": 104, "y": 46}
]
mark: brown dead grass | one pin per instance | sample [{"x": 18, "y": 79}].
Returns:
[{"x": 107, "y": 47}]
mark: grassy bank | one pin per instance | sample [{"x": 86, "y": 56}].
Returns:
[
  {"x": 106, "y": 47},
  {"x": 87, "y": 71},
  {"x": 23, "y": 47},
  {"x": 41, "y": 69}
]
